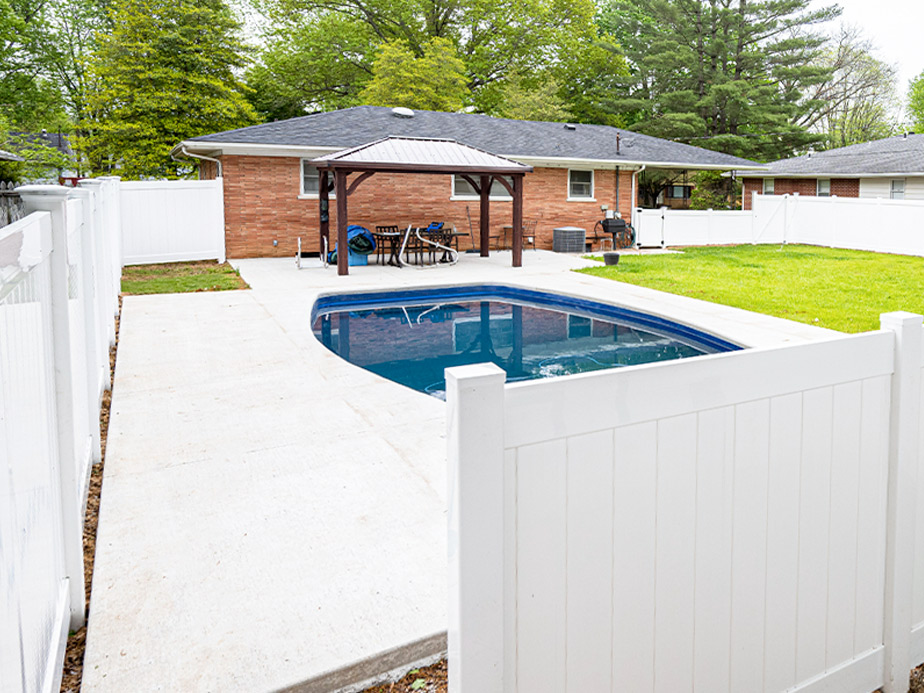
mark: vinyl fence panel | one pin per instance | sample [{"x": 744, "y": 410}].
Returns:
[
  {"x": 57, "y": 282},
  {"x": 33, "y": 588},
  {"x": 172, "y": 221},
  {"x": 710, "y": 524}
]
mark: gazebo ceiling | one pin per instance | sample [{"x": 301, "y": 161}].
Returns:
[{"x": 420, "y": 155}]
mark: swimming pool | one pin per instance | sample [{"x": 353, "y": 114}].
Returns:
[{"x": 411, "y": 336}]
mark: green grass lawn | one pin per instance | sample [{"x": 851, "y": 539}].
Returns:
[
  {"x": 842, "y": 290},
  {"x": 180, "y": 277}
]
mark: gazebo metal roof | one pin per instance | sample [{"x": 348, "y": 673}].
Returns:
[{"x": 420, "y": 155}]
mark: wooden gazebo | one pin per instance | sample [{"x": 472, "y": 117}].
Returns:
[{"x": 418, "y": 155}]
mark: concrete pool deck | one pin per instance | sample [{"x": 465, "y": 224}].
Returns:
[{"x": 273, "y": 517}]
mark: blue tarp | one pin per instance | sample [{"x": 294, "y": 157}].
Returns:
[{"x": 359, "y": 240}]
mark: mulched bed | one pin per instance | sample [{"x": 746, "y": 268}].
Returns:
[
  {"x": 77, "y": 641},
  {"x": 434, "y": 679},
  {"x": 431, "y": 679}
]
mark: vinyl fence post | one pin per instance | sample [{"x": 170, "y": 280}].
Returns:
[
  {"x": 106, "y": 295},
  {"x": 902, "y": 486},
  {"x": 89, "y": 294},
  {"x": 475, "y": 435},
  {"x": 53, "y": 199}
]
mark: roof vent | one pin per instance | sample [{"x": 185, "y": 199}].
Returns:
[
  {"x": 569, "y": 126},
  {"x": 402, "y": 112}
]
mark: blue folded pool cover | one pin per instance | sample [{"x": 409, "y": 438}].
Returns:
[{"x": 359, "y": 240}]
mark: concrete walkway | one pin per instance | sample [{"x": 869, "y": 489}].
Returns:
[{"x": 273, "y": 516}]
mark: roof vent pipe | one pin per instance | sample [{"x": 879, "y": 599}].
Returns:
[
  {"x": 402, "y": 112},
  {"x": 617, "y": 143}
]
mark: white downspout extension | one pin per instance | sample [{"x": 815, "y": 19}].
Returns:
[
  {"x": 203, "y": 157},
  {"x": 634, "y": 216}
]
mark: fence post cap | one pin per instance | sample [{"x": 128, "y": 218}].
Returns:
[
  {"x": 476, "y": 374},
  {"x": 899, "y": 319},
  {"x": 44, "y": 190}
]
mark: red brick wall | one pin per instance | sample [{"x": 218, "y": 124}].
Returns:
[
  {"x": 262, "y": 204},
  {"x": 845, "y": 187},
  {"x": 842, "y": 187},
  {"x": 748, "y": 187}
]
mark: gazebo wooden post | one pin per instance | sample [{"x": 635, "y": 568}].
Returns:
[
  {"x": 324, "y": 211},
  {"x": 485, "y": 215},
  {"x": 343, "y": 253},
  {"x": 517, "y": 219}
]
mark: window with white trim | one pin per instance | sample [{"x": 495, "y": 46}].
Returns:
[
  {"x": 768, "y": 186},
  {"x": 310, "y": 180},
  {"x": 823, "y": 187},
  {"x": 462, "y": 189},
  {"x": 580, "y": 184},
  {"x": 897, "y": 189}
]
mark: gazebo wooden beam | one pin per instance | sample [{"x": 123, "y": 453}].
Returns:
[
  {"x": 343, "y": 254},
  {"x": 485, "y": 215},
  {"x": 324, "y": 211},
  {"x": 518, "y": 220}
]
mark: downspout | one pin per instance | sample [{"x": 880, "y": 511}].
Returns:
[
  {"x": 634, "y": 220},
  {"x": 199, "y": 156}
]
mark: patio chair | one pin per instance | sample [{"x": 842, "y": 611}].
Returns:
[{"x": 387, "y": 238}]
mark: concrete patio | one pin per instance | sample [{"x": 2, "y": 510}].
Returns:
[{"x": 274, "y": 517}]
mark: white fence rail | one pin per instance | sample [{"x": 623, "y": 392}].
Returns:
[
  {"x": 58, "y": 295},
  {"x": 737, "y": 522},
  {"x": 887, "y": 226},
  {"x": 172, "y": 221}
]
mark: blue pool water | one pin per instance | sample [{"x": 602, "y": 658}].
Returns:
[{"x": 411, "y": 336}]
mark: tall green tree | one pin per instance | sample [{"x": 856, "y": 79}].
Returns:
[
  {"x": 916, "y": 103},
  {"x": 319, "y": 53},
  {"x": 856, "y": 103},
  {"x": 730, "y": 75},
  {"x": 28, "y": 99},
  {"x": 165, "y": 73},
  {"x": 433, "y": 82},
  {"x": 533, "y": 99}
]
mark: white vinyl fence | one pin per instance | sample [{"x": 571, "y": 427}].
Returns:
[
  {"x": 887, "y": 226},
  {"x": 59, "y": 283},
  {"x": 172, "y": 221},
  {"x": 738, "y": 522}
]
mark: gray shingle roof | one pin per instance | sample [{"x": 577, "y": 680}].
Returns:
[
  {"x": 902, "y": 154},
  {"x": 352, "y": 127}
]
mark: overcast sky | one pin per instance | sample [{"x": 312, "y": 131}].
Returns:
[{"x": 896, "y": 27}]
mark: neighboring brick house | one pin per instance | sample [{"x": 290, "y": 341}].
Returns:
[
  {"x": 892, "y": 168},
  {"x": 270, "y": 187}
]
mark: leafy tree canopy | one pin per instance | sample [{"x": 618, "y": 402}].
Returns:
[
  {"x": 523, "y": 98},
  {"x": 320, "y": 53},
  {"x": 728, "y": 75},
  {"x": 857, "y": 102},
  {"x": 165, "y": 73},
  {"x": 28, "y": 101},
  {"x": 435, "y": 81},
  {"x": 916, "y": 103}
]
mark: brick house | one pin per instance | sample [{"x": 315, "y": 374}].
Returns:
[
  {"x": 891, "y": 168},
  {"x": 271, "y": 188}
]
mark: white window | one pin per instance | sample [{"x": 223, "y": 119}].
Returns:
[
  {"x": 310, "y": 180},
  {"x": 580, "y": 185},
  {"x": 823, "y": 187},
  {"x": 768, "y": 186},
  {"x": 462, "y": 189},
  {"x": 897, "y": 191}
]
